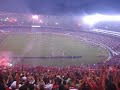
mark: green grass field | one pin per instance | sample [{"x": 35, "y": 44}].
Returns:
[{"x": 51, "y": 45}]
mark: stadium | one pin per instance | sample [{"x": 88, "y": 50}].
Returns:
[
  {"x": 59, "y": 51},
  {"x": 36, "y": 44}
]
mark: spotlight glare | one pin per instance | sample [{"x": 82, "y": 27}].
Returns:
[
  {"x": 35, "y": 17},
  {"x": 93, "y": 19}
]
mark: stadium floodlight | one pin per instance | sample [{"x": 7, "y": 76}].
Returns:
[
  {"x": 35, "y": 17},
  {"x": 93, "y": 19}
]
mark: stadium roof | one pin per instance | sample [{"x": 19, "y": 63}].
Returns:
[{"x": 60, "y": 6}]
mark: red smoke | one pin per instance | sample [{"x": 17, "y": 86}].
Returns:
[{"x": 4, "y": 61}]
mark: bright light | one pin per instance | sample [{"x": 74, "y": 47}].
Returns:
[
  {"x": 35, "y": 26},
  {"x": 79, "y": 24},
  {"x": 56, "y": 23},
  {"x": 35, "y": 17},
  {"x": 9, "y": 64},
  {"x": 41, "y": 21},
  {"x": 93, "y": 19},
  {"x": 7, "y": 18},
  {"x": 15, "y": 20}
]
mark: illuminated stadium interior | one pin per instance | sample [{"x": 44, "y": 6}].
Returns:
[{"x": 60, "y": 45}]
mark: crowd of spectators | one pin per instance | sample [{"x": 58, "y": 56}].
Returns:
[
  {"x": 112, "y": 26},
  {"x": 110, "y": 41},
  {"x": 41, "y": 20},
  {"x": 64, "y": 21},
  {"x": 88, "y": 77}
]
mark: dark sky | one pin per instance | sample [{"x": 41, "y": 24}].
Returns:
[{"x": 61, "y": 6}]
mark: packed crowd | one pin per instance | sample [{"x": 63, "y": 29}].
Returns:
[
  {"x": 110, "y": 41},
  {"x": 64, "y": 21},
  {"x": 89, "y": 77},
  {"x": 67, "y": 21},
  {"x": 114, "y": 61},
  {"x": 112, "y": 26}
]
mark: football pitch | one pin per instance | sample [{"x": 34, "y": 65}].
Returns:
[{"x": 50, "y": 49}]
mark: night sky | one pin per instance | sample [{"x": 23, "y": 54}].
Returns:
[{"x": 61, "y": 6}]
